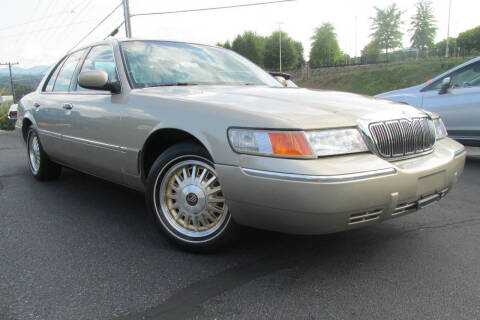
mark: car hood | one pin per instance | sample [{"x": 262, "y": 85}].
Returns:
[
  {"x": 410, "y": 91},
  {"x": 283, "y": 107}
]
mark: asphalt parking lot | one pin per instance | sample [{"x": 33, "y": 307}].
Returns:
[{"x": 83, "y": 248}]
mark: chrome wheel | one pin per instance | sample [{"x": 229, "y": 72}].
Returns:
[
  {"x": 191, "y": 199},
  {"x": 34, "y": 153}
]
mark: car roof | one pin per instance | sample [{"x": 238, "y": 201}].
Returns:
[{"x": 163, "y": 40}]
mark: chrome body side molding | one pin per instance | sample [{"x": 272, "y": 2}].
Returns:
[{"x": 318, "y": 178}]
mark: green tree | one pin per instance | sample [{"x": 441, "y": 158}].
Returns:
[
  {"x": 325, "y": 49},
  {"x": 423, "y": 26},
  {"x": 22, "y": 90},
  {"x": 385, "y": 27},
  {"x": 300, "y": 51},
  {"x": 225, "y": 45},
  {"x": 371, "y": 52},
  {"x": 290, "y": 55},
  {"x": 250, "y": 45},
  {"x": 469, "y": 40},
  {"x": 441, "y": 46},
  {"x": 5, "y": 123}
]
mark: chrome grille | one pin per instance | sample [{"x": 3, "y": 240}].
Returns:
[
  {"x": 362, "y": 217},
  {"x": 402, "y": 138}
]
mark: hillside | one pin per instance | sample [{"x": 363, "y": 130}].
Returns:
[
  {"x": 24, "y": 71},
  {"x": 375, "y": 79},
  {"x": 26, "y": 80}
]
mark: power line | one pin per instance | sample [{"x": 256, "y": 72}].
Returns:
[
  {"x": 115, "y": 31},
  {"x": 49, "y": 28},
  {"x": 98, "y": 24},
  {"x": 212, "y": 8},
  {"x": 59, "y": 37},
  {"x": 23, "y": 39},
  {"x": 35, "y": 21}
]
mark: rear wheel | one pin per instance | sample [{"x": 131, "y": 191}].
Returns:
[
  {"x": 186, "y": 198},
  {"x": 41, "y": 167}
]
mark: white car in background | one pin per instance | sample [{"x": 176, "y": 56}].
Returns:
[{"x": 454, "y": 95}]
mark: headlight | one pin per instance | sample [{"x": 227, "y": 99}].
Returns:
[
  {"x": 336, "y": 141},
  {"x": 309, "y": 144},
  {"x": 440, "y": 129},
  {"x": 272, "y": 143}
]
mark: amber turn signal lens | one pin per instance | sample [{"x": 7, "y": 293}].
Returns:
[{"x": 289, "y": 144}]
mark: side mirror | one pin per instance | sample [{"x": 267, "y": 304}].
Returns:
[
  {"x": 281, "y": 77},
  {"x": 97, "y": 80},
  {"x": 282, "y": 80},
  {"x": 446, "y": 84}
]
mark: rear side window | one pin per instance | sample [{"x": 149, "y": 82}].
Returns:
[
  {"x": 66, "y": 73},
  {"x": 53, "y": 77},
  {"x": 100, "y": 58}
]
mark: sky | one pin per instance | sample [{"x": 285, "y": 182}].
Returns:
[{"x": 39, "y": 32}]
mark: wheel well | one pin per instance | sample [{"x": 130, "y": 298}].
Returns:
[
  {"x": 25, "y": 125},
  {"x": 160, "y": 141}
]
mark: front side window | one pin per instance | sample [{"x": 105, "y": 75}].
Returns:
[
  {"x": 100, "y": 58},
  {"x": 157, "y": 63},
  {"x": 464, "y": 78},
  {"x": 66, "y": 73},
  {"x": 467, "y": 77}
]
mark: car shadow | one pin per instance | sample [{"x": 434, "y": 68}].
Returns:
[{"x": 125, "y": 208}]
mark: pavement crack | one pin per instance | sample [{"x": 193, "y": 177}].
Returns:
[{"x": 187, "y": 300}]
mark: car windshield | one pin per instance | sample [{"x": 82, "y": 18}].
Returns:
[{"x": 162, "y": 63}]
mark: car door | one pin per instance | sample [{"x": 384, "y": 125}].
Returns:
[
  {"x": 459, "y": 106},
  {"x": 96, "y": 115},
  {"x": 51, "y": 110}
]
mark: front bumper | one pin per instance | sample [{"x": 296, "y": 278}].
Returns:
[{"x": 309, "y": 203}]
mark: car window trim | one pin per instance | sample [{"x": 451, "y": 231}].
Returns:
[
  {"x": 131, "y": 82},
  {"x": 103, "y": 92}
]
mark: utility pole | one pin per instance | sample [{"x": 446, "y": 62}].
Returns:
[
  {"x": 11, "y": 79},
  {"x": 356, "y": 37},
  {"x": 126, "y": 13},
  {"x": 447, "y": 53},
  {"x": 280, "y": 32}
]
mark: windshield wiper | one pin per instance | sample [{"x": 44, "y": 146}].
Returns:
[{"x": 169, "y": 84}]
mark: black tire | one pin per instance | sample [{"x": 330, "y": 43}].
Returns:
[
  {"x": 180, "y": 156},
  {"x": 45, "y": 169}
]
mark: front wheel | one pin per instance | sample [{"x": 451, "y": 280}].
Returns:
[{"x": 186, "y": 198}]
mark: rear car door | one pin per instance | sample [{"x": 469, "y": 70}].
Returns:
[
  {"x": 460, "y": 105},
  {"x": 95, "y": 136},
  {"x": 51, "y": 112}
]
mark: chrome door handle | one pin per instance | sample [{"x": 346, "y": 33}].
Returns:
[
  {"x": 36, "y": 105},
  {"x": 67, "y": 106}
]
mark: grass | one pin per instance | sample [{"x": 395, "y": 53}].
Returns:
[
  {"x": 375, "y": 79},
  {"x": 5, "y": 123}
]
